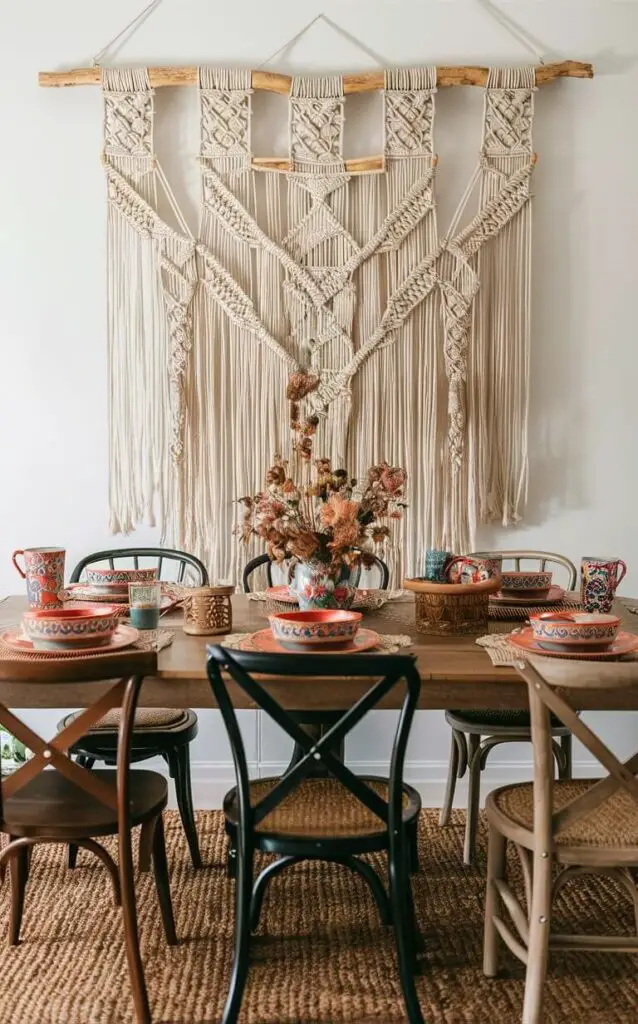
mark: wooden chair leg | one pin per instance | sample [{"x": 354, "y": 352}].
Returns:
[
  {"x": 538, "y": 944},
  {"x": 566, "y": 746},
  {"x": 18, "y": 870},
  {"x": 131, "y": 936},
  {"x": 450, "y": 787},
  {"x": 160, "y": 870},
  {"x": 473, "y": 799},
  {"x": 243, "y": 893},
  {"x": 496, "y": 861},
  {"x": 404, "y": 924},
  {"x": 147, "y": 836},
  {"x": 179, "y": 761}
]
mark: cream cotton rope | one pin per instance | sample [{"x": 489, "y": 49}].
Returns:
[{"x": 419, "y": 343}]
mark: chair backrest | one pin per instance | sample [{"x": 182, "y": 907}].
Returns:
[
  {"x": 545, "y": 678},
  {"x": 160, "y": 556},
  {"x": 379, "y": 567},
  {"x": 112, "y": 680},
  {"x": 228, "y": 669},
  {"x": 540, "y": 561}
]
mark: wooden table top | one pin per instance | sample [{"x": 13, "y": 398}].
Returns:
[{"x": 456, "y": 673}]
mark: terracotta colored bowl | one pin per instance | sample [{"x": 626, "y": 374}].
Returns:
[
  {"x": 71, "y": 627},
  {"x": 316, "y": 628},
  {"x": 575, "y": 629},
  {"x": 102, "y": 577},
  {"x": 526, "y": 583}
]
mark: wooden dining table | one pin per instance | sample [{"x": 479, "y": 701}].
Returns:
[{"x": 455, "y": 671}]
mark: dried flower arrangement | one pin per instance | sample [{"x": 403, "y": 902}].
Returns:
[{"x": 331, "y": 520}]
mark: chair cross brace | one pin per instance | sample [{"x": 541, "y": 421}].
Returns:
[
  {"x": 621, "y": 775},
  {"x": 316, "y": 750},
  {"x": 55, "y": 752}
]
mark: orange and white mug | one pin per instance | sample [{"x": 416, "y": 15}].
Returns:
[{"x": 44, "y": 573}]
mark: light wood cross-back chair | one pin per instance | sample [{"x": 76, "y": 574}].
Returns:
[
  {"x": 560, "y": 829},
  {"x": 70, "y": 804},
  {"x": 476, "y": 733},
  {"x": 163, "y": 732}
]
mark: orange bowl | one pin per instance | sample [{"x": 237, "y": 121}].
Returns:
[
  {"x": 64, "y": 628},
  {"x": 315, "y": 628},
  {"x": 591, "y": 630}
]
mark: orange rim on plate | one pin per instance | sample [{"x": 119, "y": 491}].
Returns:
[
  {"x": 555, "y": 596},
  {"x": 123, "y": 636},
  {"x": 264, "y": 641},
  {"x": 625, "y": 643}
]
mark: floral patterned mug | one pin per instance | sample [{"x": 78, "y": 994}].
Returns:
[
  {"x": 44, "y": 573},
  {"x": 467, "y": 569},
  {"x": 598, "y": 582}
]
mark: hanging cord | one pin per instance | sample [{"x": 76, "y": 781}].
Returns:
[
  {"x": 335, "y": 28},
  {"x": 133, "y": 25},
  {"x": 510, "y": 26}
]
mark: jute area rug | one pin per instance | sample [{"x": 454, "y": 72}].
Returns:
[{"x": 321, "y": 956}]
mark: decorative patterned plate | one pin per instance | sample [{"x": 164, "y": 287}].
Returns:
[
  {"x": 555, "y": 596},
  {"x": 363, "y": 599},
  {"x": 365, "y": 640},
  {"x": 123, "y": 636},
  {"x": 85, "y": 598},
  {"x": 625, "y": 643}
]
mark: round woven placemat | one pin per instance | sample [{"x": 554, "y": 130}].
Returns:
[{"x": 320, "y": 955}]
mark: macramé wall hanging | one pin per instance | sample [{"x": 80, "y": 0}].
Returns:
[{"x": 318, "y": 300}]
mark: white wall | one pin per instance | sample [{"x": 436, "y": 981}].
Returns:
[{"x": 584, "y": 412}]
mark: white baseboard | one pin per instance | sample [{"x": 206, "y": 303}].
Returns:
[{"x": 213, "y": 779}]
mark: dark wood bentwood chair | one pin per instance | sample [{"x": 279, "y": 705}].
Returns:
[
  {"x": 163, "y": 732},
  {"x": 560, "y": 830},
  {"x": 71, "y": 804},
  {"x": 337, "y": 817},
  {"x": 476, "y": 733}
]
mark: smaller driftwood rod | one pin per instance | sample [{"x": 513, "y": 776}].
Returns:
[{"x": 269, "y": 81}]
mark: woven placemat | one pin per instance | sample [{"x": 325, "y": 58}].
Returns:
[
  {"x": 520, "y": 613},
  {"x": 366, "y": 600},
  {"x": 388, "y": 644},
  {"x": 502, "y": 652},
  {"x": 149, "y": 640}
]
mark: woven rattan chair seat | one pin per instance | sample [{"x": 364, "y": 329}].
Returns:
[
  {"x": 319, "y": 808},
  {"x": 501, "y": 719},
  {"x": 614, "y": 823},
  {"x": 145, "y": 718}
]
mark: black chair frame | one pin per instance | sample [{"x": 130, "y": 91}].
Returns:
[
  {"x": 173, "y": 747},
  {"x": 266, "y": 560},
  {"x": 162, "y": 555},
  {"x": 393, "y": 669}
]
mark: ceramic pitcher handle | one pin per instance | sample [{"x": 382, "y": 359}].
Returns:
[
  {"x": 620, "y": 578},
  {"x": 20, "y": 551}
]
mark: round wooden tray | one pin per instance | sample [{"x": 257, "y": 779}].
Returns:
[{"x": 423, "y": 586}]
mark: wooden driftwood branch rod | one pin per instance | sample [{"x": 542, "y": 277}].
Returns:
[{"x": 269, "y": 81}]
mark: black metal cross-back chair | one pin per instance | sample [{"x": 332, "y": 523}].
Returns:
[
  {"x": 259, "y": 560},
  {"x": 476, "y": 733},
  {"x": 163, "y": 732},
  {"x": 337, "y": 817}
]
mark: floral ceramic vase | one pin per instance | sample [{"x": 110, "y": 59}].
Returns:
[{"x": 315, "y": 587}]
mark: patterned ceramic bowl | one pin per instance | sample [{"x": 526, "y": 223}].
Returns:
[
  {"x": 315, "y": 629},
  {"x": 71, "y": 627},
  {"x": 102, "y": 577},
  {"x": 526, "y": 583},
  {"x": 575, "y": 629}
]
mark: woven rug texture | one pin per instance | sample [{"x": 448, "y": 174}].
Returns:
[{"x": 320, "y": 955}]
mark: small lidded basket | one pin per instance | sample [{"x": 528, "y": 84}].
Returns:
[
  {"x": 449, "y": 609},
  {"x": 208, "y": 611}
]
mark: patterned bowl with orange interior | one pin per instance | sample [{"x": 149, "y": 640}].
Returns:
[
  {"x": 525, "y": 584},
  {"x": 315, "y": 628},
  {"x": 569, "y": 629},
  {"x": 119, "y": 577},
  {"x": 63, "y": 628}
]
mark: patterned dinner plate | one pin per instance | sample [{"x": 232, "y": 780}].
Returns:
[
  {"x": 123, "y": 636},
  {"x": 625, "y": 643},
  {"x": 365, "y": 640},
  {"x": 554, "y": 596},
  {"x": 83, "y": 597}
]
